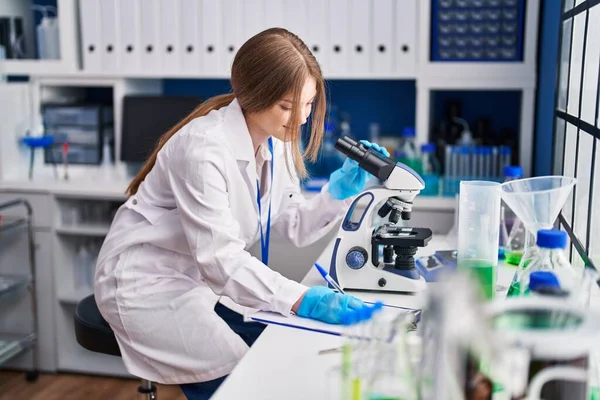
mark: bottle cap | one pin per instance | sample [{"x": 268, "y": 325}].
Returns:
[
  {"x": 428, "y": 148},
  {"x": 465, "y": 150},
  {"x": 544, "y": 279},
  {"x": 513, "y": 171},
  {"x": 408, "y": 132},
  {"x": 551, "y": 239}
]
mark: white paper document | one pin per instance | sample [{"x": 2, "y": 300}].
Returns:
[{"x": 294, "y": 321}]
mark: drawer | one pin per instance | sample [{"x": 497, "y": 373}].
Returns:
[{"x": 42, "y": 211}]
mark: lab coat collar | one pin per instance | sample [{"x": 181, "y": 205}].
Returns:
[{"x": 241, "y": 142}]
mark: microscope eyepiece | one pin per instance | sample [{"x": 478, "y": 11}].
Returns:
[{"x": 370, "y": 160}]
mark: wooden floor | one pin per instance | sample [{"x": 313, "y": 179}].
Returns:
[{"x": 13, "y": 386}]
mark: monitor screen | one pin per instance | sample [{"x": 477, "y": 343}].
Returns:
[{"x": 146, "y": 118}]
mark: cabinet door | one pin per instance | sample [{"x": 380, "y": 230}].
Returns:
[{"x": 16, "y": 312}]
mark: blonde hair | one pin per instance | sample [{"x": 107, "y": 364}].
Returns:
[{"x": 268, "y": 66}]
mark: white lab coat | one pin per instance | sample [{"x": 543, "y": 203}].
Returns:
[{"x": 181, "y": 242}]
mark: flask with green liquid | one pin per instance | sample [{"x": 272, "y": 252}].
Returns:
[
  {"x": 512, "y": 229},
  {"x": 550, "y": 257}
]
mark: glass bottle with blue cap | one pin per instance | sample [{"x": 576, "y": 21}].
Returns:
[{"x": 552, "y": 259}]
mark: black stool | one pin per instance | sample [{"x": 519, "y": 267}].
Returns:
[{"x": 93, "y": 333}]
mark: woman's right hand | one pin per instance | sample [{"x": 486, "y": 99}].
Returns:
[{"x": 323, "y": 304}]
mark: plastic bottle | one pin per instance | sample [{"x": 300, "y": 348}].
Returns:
[
  {"x": 512, "y": 230},
  {"x": 47, "y": 34},
  {"x": 83, "y": 259},
  {"x": 551, "y": 257},
  {"x": 408, "y": 151},
  {"x": 466, "y": 137},
  {"x": 430, "y": 170}
]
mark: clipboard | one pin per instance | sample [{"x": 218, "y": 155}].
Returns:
[{"x": 297, "y": 322}]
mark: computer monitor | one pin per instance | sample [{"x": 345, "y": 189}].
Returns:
[{"x": 146, "y": 118}]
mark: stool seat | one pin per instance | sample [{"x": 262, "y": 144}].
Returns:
[{"x": 92, "y": 331}]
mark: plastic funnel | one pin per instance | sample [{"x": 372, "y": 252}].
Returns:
[{"x": 537, "y": 201}]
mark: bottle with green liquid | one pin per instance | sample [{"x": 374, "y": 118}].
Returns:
[
  {"x": 512, "y": 230},
  {"x": 551, "y": 257}
]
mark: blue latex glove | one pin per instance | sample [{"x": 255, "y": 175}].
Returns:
[
  {"x": 350, "y": 179},
  {"x": 323, "y": 304}
]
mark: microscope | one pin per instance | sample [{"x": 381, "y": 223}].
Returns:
[{"x": 371, "y": 225}]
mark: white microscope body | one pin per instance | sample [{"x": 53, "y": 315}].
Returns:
[{"x": 355, "y": 262}]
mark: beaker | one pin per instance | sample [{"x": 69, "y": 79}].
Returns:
[{"x": 478, "y": 233}]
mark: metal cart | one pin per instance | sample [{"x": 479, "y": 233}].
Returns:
[{"x": 12, "y": 286}]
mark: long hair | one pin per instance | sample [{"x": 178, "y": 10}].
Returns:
[{"x": 268, "y": 66}]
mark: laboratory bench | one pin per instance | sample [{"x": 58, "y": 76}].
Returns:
[
  {"x": 70, "y": 220},
  {"x": 284, "y": 362}
]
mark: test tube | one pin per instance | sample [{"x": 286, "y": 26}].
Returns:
[
  {"x": 447, "y": 169},
  {"x": 487, "y": 154},
  {"x": 463, "y": 171},
  {"x": 454, "y": 166},
  {"x": 495, "y": 174},
  {"x": 478, "y": 233},
  {"x": 477, "y": 170},
  {"x": 505, "y": 156}
]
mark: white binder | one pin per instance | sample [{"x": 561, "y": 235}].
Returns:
[
  {"x": 191, "y": 46},
  {"x": 109, "y": 36},
  {"x": 212, "y": 38},
  {"x": 317, "y": 36},
  {"x": 360, "y": 37},
  {"x": 170, "y": 36},
  {"x": 339, "y": 49},
  {"x": 296, "y": 18},
  {"x": 274, "y": 13},
  {"x": 254, "y": 18},
  {"x": 233, "y": 32},
  {"x": 89, "y": 14},
  {"x": 405, "y": 36},
  {"x": 149, "y": 36},
  {"x": 382, "y": 54},
  {"x": 129, "y": 26}
]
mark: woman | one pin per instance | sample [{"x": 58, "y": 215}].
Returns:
[{"x": 180, "y": 241}]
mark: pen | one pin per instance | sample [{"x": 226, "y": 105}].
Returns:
[{"x": 329, "y": 279}]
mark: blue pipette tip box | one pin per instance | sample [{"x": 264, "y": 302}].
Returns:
[{"x": 431, "y": 267}]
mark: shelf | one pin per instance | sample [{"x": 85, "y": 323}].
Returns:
[
  {"x": 11, "y": 284},
  {"x": 83, "y": 230},
  {"x": 61, "y": 73},
  {"x": 12, "y": 345},
  {"x": 33, "y": 67},
  {"x": 73, "y": 297}
]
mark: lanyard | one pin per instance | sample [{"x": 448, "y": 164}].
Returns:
[{"x": 266, "y": 237}]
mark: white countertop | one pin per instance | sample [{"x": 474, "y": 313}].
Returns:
[{"x": 284, "y": 362}]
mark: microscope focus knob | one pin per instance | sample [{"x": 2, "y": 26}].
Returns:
[{"x": 356, "y": 257}]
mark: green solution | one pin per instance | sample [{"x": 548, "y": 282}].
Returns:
[
  {"x": 484, "y": 272},
  {"x": 514, "y": 289},
  {"x": 513, "y": 257}
]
